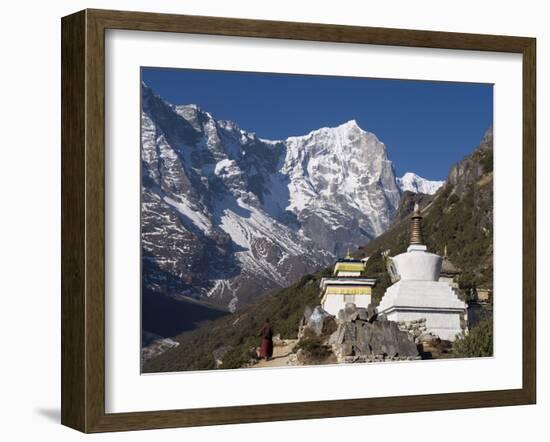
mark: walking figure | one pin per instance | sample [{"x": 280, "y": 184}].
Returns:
[{"x": 266, "y": 349}]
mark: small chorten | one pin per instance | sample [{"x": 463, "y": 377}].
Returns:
[
  {"x": 349, "y": 284},
  {"x": 449, "y": 272}
]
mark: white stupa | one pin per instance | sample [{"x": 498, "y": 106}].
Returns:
[{"x": 419, "y": 293}]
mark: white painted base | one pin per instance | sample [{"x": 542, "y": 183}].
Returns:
[
  {"x": 334, "y": 303},
  {"x": 433, "y": 300}
]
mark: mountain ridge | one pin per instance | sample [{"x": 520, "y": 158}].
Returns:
[
  {"x": 412, "y": 182},
  {"x": 229, "y": 216}
]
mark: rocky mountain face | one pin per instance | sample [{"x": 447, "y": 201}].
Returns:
[
  {"x": 406, "y": 205},
  {"x": 228, "y": 216},
  {"x": 474, "y": 167},
  {"x": 411, "y": 182}
]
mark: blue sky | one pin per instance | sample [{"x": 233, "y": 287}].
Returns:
[{"x": 427, "y": 126}]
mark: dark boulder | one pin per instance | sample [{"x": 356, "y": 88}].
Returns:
[
  {"x": 385, "y": 339},
  {"x": 368, "y": 314},
  {"x": 361, "y": 335},
  {"x": 348, "y": 313},
  {"x": 352, "y": 313}
]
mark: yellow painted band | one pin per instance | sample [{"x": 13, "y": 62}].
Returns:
[
  {"x": 348, "y": 291},
  {"x": 356, "y": 267}
]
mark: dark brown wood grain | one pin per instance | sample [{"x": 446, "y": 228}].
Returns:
[
  {"x": 83, "y": 219},
  {"x": 529, "y": 316},
  {"x": 73, "y": 254}
]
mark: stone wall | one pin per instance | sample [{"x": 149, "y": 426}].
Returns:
[{"x": 416, "y": 330}]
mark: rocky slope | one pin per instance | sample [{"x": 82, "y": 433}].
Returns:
[
  {"x": 406, "y": 205},
  {"x": 229, "y": 216}
]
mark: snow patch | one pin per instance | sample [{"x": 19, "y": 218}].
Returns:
[{"x": 200, "y": 220}]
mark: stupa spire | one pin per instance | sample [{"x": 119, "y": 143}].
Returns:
[
  {"x": 416, "y": 237},
  {"x": 348, "y": 255}
]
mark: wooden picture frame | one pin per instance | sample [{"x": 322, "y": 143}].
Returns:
[{"x": 83, "y": 220}]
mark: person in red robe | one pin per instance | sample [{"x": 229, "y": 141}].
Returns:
[{"x": 266, "y": 348}]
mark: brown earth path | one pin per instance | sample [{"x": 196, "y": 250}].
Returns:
[{"x": 281, "y": 355}]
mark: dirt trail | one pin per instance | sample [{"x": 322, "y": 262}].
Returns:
[{"x": 281, "y": 355}]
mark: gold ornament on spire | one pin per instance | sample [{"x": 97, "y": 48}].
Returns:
[{"x": 416, "y": 227}]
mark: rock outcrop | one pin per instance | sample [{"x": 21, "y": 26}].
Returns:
[
  {"x": 356, "y": 335},
  {"x": 363, "y": 337}
]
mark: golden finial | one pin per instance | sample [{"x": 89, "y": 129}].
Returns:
[
  {"x": 416, "y": 226},
  {"x": 348, "y": 256},
  {"x": 445, "y": 251}
]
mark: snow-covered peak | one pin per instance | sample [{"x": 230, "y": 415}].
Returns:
[
  {"x": 188, "y": 107},
  {"x": 193, "y": 114},
  {"x": 229, "y": 125},
  {"x": 414, "y": 183},
  {"x": 350, "y": 125},
  {"x": 341, "y": 130},
  {"x": 342, "y": 169}
]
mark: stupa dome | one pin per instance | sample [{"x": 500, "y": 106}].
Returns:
[{"x": 418, "y": 265}]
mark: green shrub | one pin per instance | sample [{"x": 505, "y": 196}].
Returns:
[
  {"x": 241, "y": 355},
  {"x": 487, "y": 161},
  {"x": 477, "y": 343},
  {"x": 376, "y": 268},
  {"x": 313, "y": 348}
]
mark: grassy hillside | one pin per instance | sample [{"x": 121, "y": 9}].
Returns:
[{"x": 240, "y": 330}]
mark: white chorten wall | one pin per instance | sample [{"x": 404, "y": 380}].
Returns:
[
  {"x": 432, "y": 300},
  {"x": 418, "y": 294}
]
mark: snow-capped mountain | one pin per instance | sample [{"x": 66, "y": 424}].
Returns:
[
  {"x": 414, "y": 183},
  {"x": 229, "y": 216}
]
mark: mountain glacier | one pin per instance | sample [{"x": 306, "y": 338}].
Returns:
[
  {"x": 414, "y": 183},
  {"x": 227, "y": 216}
]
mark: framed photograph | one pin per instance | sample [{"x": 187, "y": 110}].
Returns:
[{"x": 267, "y": 221}]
